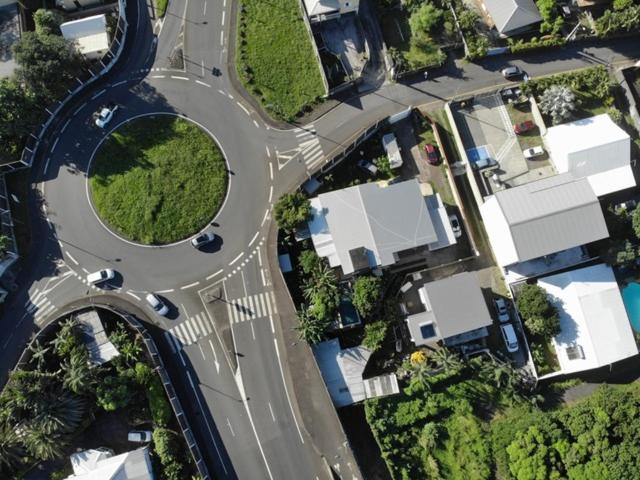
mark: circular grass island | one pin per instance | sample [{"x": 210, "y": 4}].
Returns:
[{"x": 158, "y": 180}]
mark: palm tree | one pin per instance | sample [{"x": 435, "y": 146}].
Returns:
[
  {"x": 63, "y": 413},
  {"x": 39, "y": 353},
  {"x": 12, "y": 452},
  {"x": 447, "y": 360},
  {"x": 322, "y": 280},
  {"x": 65, "y": 337},
  {"x": 42, "y": 445},
  {"x": 78, "y": 375},
  {"x": 310, "y": 329}
]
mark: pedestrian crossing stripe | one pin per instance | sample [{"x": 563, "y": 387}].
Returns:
[
  {"x": 189, "y": 332},
  {"x": 39, "y": 306},
  {"x": 252, "y": 307}
]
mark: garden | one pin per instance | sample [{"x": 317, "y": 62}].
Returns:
[
  {"x": 275, "y": 59},
  {"x": 58, "y": 402},
  {"x": 142, "y": 183}
]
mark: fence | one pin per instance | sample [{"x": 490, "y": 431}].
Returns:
[
  {"x": 105, "y": 64},
  {"x": 159, "y": 367}
]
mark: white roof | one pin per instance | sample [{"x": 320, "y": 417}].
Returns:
[
  {"x": 90, "y": 33},
  {"x": 390, "y": 145},
  {"x": 321, "y": 7},
  {"x": 593, "y": 318},
  {"x": 512, "y": 15},
  {"x": 591, "y": 147},
  {"x": 134, "y": 465}
]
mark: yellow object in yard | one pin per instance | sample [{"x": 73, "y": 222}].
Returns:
[{"x": 418, "y": 357}]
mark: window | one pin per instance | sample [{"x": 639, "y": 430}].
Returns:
[
  {"x": 427, "y": 330},
  {"x": 575, "y": 352}
]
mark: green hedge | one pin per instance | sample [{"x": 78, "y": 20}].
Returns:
[
  {"x": 158, "y": 403},
  {"x": 535, "y": 43}
]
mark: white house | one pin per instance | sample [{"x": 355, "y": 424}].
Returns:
[
  {"x": 90, "y": 35},
  {"x": 102, "y": 465},
  {"x": 541, "y": 218},
  {"x": 366, "y": 226},
  {"x": 512, "y": 16},
  {"x": 594, "y": 328},
  {"x": 321, "y": 10},
  {"x": 595, "y": 148}
]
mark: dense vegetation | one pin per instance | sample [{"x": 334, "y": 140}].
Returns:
[
  {"x": 143, "y": 183},
  {"x": 623, "y": 18},
  {"x": 275, "y": 58},
  {"x": 291, "y": 210}
]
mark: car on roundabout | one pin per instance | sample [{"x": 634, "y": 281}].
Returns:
[
  {"x": 203, "y": 239},
  {"x": 105, "y": 115},
  {"x": 157, "y": 304},
  {"x": 101, "y": 276}
]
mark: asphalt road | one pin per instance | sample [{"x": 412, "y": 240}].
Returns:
[{"x": 246, "y": 419}]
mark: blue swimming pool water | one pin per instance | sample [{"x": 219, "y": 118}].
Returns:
[
  {"x": 477, "y": 153},
  {"x": 631, "y": 299}
]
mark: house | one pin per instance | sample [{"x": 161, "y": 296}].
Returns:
[
  {"x": 594, "y": 328},
  {"x": 90, "y": 35},
  {"x": 541, "y": 218},
  {"x": 369, "y": 225},
  {"x": 511, "y": 17},
  {"x": 321, "y": 10},
  {"x": 102, "y": 465},
  {"x": 342, "y": 373},
  {"x": 455, "y": 312},
  {"x": 71, "y": 5},
  {"x": 595, "y": 148}
]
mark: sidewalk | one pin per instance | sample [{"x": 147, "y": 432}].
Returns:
[{"x": 310, "y": 395}]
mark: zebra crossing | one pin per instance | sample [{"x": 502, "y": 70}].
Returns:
[
  {"x": 39, "y": 306},
  {"x": 189, "y": 332},
  {"x": 308, "y": 150},
  {"x": 260, "y": 305}
]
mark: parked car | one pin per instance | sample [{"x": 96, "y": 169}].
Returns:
[
  {"x": 203, "y": 239},
  {"x": 533, "y": 152},
  {"x": 627, "y": 205},
  {"x": 524, "y": 127},
  {"x": 483, "y": 163},
  {"x": 139, "y": 436},
  {"x": 433, "y": 157},
  {"x": 501, "y": 308},
  {"x": 106, "y": 114},
  {"x": 455, "y": 225},
  {"x": 368, "y": 167},
  {"x": 157, "y": 304},
  {"x": 101, "y": 276},
  {"x": 509, "y": 337},
  {"x": 512, "y": 73}
]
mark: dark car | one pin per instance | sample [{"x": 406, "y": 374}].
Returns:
[
  {"x": 524, "y": 127},
  {"x": 433, "y": 157},
  {"x": 512, "y": 73},
  {"x": 203, "y": 239}
]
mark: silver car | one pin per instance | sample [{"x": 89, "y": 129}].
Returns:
[
  {"x": 203, "y": 239},
  {"x": 105, "y": 115},
  {"x": 158, "y": 305}
]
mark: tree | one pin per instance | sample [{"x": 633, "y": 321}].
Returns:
[
  {"x": 113, "y": 392},
  {"x": 12, "y": 452},
  {"x": 623, "y": 253},
  {"x": 47, "y": 64},
  {"x": 635, "y": 221},
  {"x": 309, "y": 261},
  {"x": 559, "y": 102},
  {"x": 616, "y": 115},
  {"x": 291, "y": 210},
  {"x": 19, "y": 116},
  {"x": 532, "y": 456},
  {"x": 374, "y": 334},
  {"x": 620, "y": 5},
  {"x": 310, "y": 328},
  {"x": 447, "y": 360},
  {"x": 366, "y": 294},
  {"x": 425, "y": 19},
  {"x": 47, "y": 22},
  {"x": 38, "y": 354},
  {"x": 540, "y": 316},
  {"x": 66, "y": 340},
  {"x": 79, "y": 376},
  {"x": 551, "y": 21}
]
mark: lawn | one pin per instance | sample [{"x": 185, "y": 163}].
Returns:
[
  {"x": 275, "y": 58},
  {"x": 161, "y": 7},
  {"x": 158, "y": 180}
]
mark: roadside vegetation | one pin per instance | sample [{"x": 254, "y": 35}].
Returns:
[
  {"x": 143, "y": 183},
  {"x": 51, "y": 402},
  {"x": 161, "y": 7},
  {"x": 275, "y": 58}
]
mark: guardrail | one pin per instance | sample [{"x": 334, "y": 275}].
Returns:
[
  {"x": 91, "y": 75},
  {"x": 158, "y": 365}
]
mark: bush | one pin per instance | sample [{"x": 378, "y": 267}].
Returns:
[
  {"x": 540, "y": 316},
  {"x": 384, "y": 167},
  {"x": 291, "y": 210},
  {"x": 374, "y": 335},
  {"x": 425, "y": 19},
  {"x": 165, "y": 443},
  {"x": 309, "y": 261},
  {"x": 592, "y": 82},
  {"x": 366, "y": 294},
  {"x": 114, "y": 392},
  {"x": 617, "y": 116},
  {"x": 158, "y": 403},
  {"x": 551, "y": 21},
  {"x": 47, "y": 22},
  {"x": 520, "y": 45},
  {"x": 614, "y": 22}
]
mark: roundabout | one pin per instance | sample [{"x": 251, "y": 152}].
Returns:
[{"x": 141, "y": 181}]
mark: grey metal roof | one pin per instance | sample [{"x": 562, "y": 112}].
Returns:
[
  {"x": 512, "y": 15},
  {"x": 455, "y": 306},
  {"x": 384, "y": 220},
  {"x": 551, "y": 215}
]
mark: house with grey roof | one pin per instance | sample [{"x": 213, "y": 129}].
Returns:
[
  {"x": 103, "y": 465},
  {"x": 511, "y": 17},
  {"x": 453, "y": 311},
  {"x": 542, "y": 218},
  {"x": 367, "y": 226}
]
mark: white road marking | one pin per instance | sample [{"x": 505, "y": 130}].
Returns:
[
  {"x": 202, "y": 66},
  {"x": 256, "y": 124},
  {"x": 220, "y": 91},
  {"x": 190, "y": 285},
  {"x": 230, "y": 428},
  {"x": 214, "y": 274},
  {"x": 55, "y": 144},
  {"x": 266, "y": 214},
  {"x": 271, "y": 171},
  {"x": 271, "y": 410},
  {"x": 273, "y": 299},
  {"x": 204, "y": 10},
  {"x": 264, "y": 281},
  {"x": 268, "y": 152},
  {"x": 253, "y": 332},
  {"x": 221, "y": 37},
  {"x": 71, "y": 258},
  {"x": 202, "y": 352},
  {"x": 158, "y": 76},
  {"x": 244, "y": 108},
  {"x": 64, "y": 127},
  {"x": 222, "y": 23},
  {"x": 259, "y": 257},
  {"x": 176, "y": 77},
  {"x": 202, "y": 83},
  {"x": 85, "y": 270},
  {"x": 254, "y": 238},
  {"x": 236, "y": 259},
  {"x": 270, "y": 193},
  {"x": 98, "y": 94},
  {"x": 46, "y": 166},
  {"x": 273, "y": 330},
  {"x": 166, "y": 291},
  {"x": 119, "y": 83},
  {"x": 79, "y": 108},
  {"x": 286, "y": 390},
  {"x": 215, "y": 357},
  {"x": 132, "y": 295}
]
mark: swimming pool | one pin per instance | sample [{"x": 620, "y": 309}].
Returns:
[
  {"x": 631, "y": 299},
  {"x": 478, "y": 153}
]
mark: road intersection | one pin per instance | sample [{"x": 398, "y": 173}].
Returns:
[{"x": 222, "y": 340}]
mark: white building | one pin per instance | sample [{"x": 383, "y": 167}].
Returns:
[
  {"x": 594, "y": 328},
  {"x": 542, "y": 218},
  {"x": 595, "y": 148},
  {"x": 102, "y": 465},
  {"x": 321, "y": 10},
  {"x": 90, "y": 35}
]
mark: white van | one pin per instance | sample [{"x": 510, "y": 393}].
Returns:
[{"x": 509, "y": 337}]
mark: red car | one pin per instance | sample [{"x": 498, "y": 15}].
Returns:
[
  {"x": 433, "y": 157},
  {"x": 524, "y": 127}
]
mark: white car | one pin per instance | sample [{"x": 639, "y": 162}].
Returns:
[
  {"x": 533, "y": 152},
  {"x": 203, "y": 239},
  {"x": 105, "y": 115},
  {"x": 101, "y": 276},
  {"x": 501, "y": 308},
  {"x": 158, "y": 305},
  {"x": 139, "y": 436},
  {"x": 509, "y": 337},
  {"x": 455, "y": 225}
]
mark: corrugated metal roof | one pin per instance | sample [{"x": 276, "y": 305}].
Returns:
[
  {"x": 551, "y": 215},
  {"x": 511, "y": 15}
]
